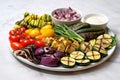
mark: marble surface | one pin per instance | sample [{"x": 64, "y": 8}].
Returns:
[{"x": 12, "y": 10}]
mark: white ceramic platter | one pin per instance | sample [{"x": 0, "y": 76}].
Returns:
[{"x": 62, "y": 69}]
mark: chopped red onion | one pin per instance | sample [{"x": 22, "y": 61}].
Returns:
[{"x": 66, "y": 15}]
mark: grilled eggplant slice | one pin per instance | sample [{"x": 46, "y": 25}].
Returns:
[
  {"x": 83, "y": 62},
  {"x": 85, "y": 47},
  {"x": 67, "y": 62},
  {"x": 77, "y": 55},
  {"x": 93, "y": 56},
  {"x": 91, "y": 35}
]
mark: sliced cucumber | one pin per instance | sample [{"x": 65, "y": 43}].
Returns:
[
  {"x": 67, "y": 62},
  {"x": 93, "y": 56},
  {"x": 85, "y": 47},
  {"x": 83, "y": 62},
  {"x": 77, "y": 55}
]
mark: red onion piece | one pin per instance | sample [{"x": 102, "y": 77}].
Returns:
[{"x": 66, "y": 15}]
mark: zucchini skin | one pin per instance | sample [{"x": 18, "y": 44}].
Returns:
[
  {"x": 80, "y": 26},
  {"x": 77, "y": 55},
  {"x": 67, "y": 65},
  {"x": 83, "y": 64},
  {"x": 93, "y": 53},
  {"x": 91, "y": 29},
  {"x": 94, "y": 61}
]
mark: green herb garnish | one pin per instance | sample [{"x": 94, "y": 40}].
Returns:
[{"x": 114, "y": 41}]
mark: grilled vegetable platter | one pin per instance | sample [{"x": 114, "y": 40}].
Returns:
[{"x": 37, "y": 41}]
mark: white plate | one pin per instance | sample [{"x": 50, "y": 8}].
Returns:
[{"x": 62, "y": 69}]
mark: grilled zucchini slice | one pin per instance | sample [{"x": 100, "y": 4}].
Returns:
[
  {"x": 103, "y": 43},
  {"x": 77, "y": 55},
  {"x": 100, "y": 49},
  {"x": 106, "y": 37},
  {"x": 85, "y": 47},
  {"x": 92, "y": 42},
  {"x": 83, "y": 62},
  {"x": 93, "y": 56},
  {"x": 68, "y": 62}
]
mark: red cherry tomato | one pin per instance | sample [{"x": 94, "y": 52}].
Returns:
[
  {"x": 19, "y": 36},
  {"x": 16, "y": 45},
  {"x": 23, "y": 29},
  {"x": 12, "y": 32},
  {"x": 32, "y": 41},
  {"x": 22, "y": 42},
  {"x": 26, "y": 42},
  {"x": 39, "y": 43},
  {"x": 13, "y": 38},
  {"x": 18, "y": 32}
]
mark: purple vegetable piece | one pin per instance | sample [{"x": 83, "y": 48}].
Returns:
[
  {"x": 48, "y": 50},
  {"x": 39, "y": 51},
  {"x": 50, "y": 61},
  {"x": 59, "y": 54},
  {"x": 39, "y": 57},
  {"x": 58, "y": 12},
  {"x": 66, "y": 15},
  {"x": 47, "y": 55}
]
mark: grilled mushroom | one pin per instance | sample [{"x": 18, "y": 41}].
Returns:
[{"x": 27, "y": 53}]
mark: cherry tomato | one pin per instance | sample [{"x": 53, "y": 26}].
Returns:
[
  {"x": 23, "y": 29},
  {"x": 25, "y": 42},
  {"x": 18, "y": 32},
  {"x": 39, "y": 43},
  {"x": 32, "y": 41},
  {"x": 12, "y": 32},
  {"x": 16, "y": 45},
  {"x": 19, "y": 36},
  {"x": 13, "y": 38}
]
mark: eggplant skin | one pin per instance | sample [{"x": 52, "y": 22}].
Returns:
[{"x": 91, "y": 35}]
